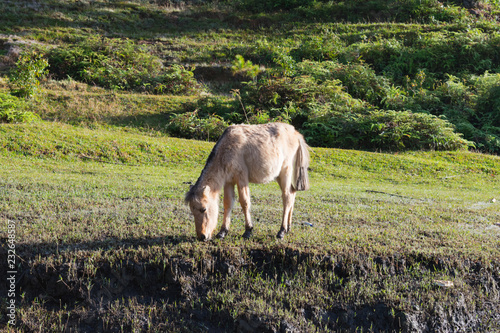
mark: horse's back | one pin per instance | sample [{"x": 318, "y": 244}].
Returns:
[
  {"x": 259, "y": 151},
  {"x": 269, "y": 135}
]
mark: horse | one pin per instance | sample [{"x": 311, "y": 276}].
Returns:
[{"x": 249, "y": 154}]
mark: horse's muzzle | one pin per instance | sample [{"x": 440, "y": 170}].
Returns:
[{"x": 203, "y": 238}]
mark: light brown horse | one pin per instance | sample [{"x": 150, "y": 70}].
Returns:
[{"x": 249, "y": 154}]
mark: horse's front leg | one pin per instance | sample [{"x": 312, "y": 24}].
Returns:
[
  {"x": 244, "y": 196},
  {"x": 228, "y": 207}
]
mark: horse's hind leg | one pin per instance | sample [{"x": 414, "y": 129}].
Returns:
[
  {"x": 228, "y": 206},
  {"x": 288, "y": 195},
  {"x": 244, "y": 196},
  {"x": 286, "y": 223}
]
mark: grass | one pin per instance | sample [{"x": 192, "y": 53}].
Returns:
[
  {"x": 108, "y": 242},
  {"x": 119, "y": 110},
  {"x": 408, "y": 205}
]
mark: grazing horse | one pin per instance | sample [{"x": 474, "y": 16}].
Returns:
[{"x": 249, "y": 154}]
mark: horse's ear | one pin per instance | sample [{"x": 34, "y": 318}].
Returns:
[{"x": 189, "y": 195}]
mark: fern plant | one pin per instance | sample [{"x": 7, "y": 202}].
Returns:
[
  {"x": 12, "y": 110},
  {"x": 24, "y": 79},
  {"x": 245, "y": 67}
]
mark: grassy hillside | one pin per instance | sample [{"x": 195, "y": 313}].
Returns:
[
  {"x": 344, "y": 74},
  {"x": 97, "y": 157}
]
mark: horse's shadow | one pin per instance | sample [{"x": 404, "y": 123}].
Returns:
[{"x": 27, "y": 251}]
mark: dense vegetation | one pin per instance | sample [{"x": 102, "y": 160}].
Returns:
[
  {"x": 94, "y": 92},
  {"x": 378, "y": 75}
]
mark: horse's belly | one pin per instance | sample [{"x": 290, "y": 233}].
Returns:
[
  {"x": 262, "y": 180},
  {"x": 264, "y": 172}
]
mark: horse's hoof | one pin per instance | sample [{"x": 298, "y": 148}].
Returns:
[
  {"x": 247, "y": 234},
  {"x": 281, "y": 234},
  {"x": 221, "y": 234}
]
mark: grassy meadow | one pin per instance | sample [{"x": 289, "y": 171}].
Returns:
[
  {"x": 107, "y": 244},
  {"x": 400, "y": 234}
]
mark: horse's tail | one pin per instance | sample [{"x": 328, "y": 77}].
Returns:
[{"x": 301, "y": 164}]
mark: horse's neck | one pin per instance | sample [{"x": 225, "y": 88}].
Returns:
[{"x": 213, "y": 178}]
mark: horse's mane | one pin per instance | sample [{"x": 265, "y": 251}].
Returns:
[{"x": 194, "y": 189}]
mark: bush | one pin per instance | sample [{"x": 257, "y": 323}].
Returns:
[
  {"x": 12, "y": 110},
  {"x": 359, "y": 79},
  {"x": 405, "y": 130},
  {"x": 384, "y": 130},
  {"x": 487, "y": 111},
  {"x": 318, "y": 48},
  {"x": 191, "y": 125},
  {"x": 119, "y": 65},
  {"x": 297, "y": 99},
  {"x": 436, "y": 52},
  {"x": 173, "y": 80},
  {"x": 244, "y": 68},
  {"x": 30, "y": 67},
  {"x": 474, "y": 107},
  {"x": 488, "y": 101}
]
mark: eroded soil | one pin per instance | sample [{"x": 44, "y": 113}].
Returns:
[{"x": 130, "y": 287}]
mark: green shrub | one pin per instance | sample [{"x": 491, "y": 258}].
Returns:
[
  {"x": 30, "y": 67},
  {"x": 191, "y": 125},
  {"x": 297, "y": 99},
  {"x": 487, "y": 115},
  {"x": 474, "y": 107},
  {"x": 455, "y": 53},
  {"x": 359, "y": 79},
  {"x": 245, "y": 68},
  {"x": 488, "y": 100},
  {"x": 12, "y": 110},
  {"x": 404, "y": 130},
  {"x": 384, "y": 130},
  {"x": 318, "y": 48},
  {"x": 122, "y": 65},
  {"x": 104, "y": 62},
  {"x": 173, "y": 80},
  {"x": 260, "y": 52},
  {"x": 286, "y": 62}
]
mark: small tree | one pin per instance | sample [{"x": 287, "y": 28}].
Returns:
[
  {"x": 24, "y": 79},
  {"x": 245, "y": 68},
  {"x": 13, "y": 110}
]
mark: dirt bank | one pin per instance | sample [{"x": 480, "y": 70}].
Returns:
[{"x": 128, "y": 288}]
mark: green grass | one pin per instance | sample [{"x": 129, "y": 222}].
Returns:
[
  {"x": 66, "y": 142},
  {"x": 113, "y": 233},
  {"x": 340, "y": 205},
  {"x": 79, "y": 104}
]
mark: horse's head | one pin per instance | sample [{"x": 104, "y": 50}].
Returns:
[{"x": 204, "y": 205}]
